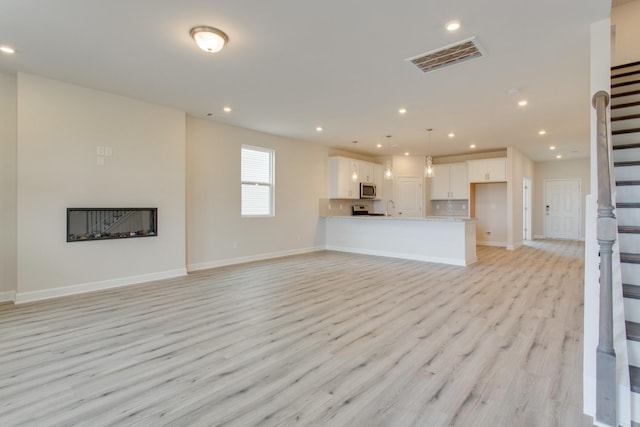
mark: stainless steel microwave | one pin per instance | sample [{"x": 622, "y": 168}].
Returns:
[{"x": 367, "y": 190}]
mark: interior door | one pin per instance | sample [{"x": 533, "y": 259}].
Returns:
[
  {"x": 562, "y": 209},
  {"x": 410, "y": 196}
]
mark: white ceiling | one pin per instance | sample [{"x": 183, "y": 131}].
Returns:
[{"x": 293, "y": 65}]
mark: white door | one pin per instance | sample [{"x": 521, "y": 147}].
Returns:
[
  {"x": 562, "y": 208},
  {"x": 410, "y": 196}
]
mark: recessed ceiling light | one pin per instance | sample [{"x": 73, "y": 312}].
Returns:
[
  {"x": 472, "y": 146},
  {"x": 227, "y": 109},
  {"x": 453, "y": 25},
  {"x": 522, "y": 103},
  {"x": 542, "y": 132},
  {"x": 406, "y": 153},
  {"x": 7, "y": 49},
  {"x": 378, "y": 145},
  {"x": 319, "y": 129},
  {"x": 552, "y": 147},
  {"x": 451, "y": 135},
  {"x": 402, "y": 110},
  {"x": 559, "y": 156}
]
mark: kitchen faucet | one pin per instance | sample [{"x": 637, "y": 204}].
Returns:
[{"x": 393, "y": 205}]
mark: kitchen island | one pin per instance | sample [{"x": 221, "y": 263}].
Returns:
[{"x": 445, "y": 240}]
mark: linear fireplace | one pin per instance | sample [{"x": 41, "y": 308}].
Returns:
[{"x": 110, "y": 223}]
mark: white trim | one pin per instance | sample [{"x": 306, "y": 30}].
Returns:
[
  {"x": 516, "y": 246},
  {"x": 8, "y": 296},
  {"x": 413, "y": 257},
  {"x": 250, "y": 258},
  {"x": 23, "y": 297}
]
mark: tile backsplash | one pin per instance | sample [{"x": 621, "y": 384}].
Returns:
[{"x": 449, "y": 208}]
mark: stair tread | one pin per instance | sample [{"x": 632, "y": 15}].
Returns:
[
  {"x": 630, "y": 258},
  {"x": 633, "y": 330},
  {"x": 625, "y": 131},
  {"x": 623, "y": 84},
  {"x": 628, "y": 93},
  {"x": 627, "y": 205},
  {"x": 633, "y": 229},
  {"x": 626, "y": 146},
  {"x": 630, "y": 291},
  {"x": 626, "y": 116},
  {"x": 628, "y": 182},
  {"x": 623, "y": 66},
  {"x": 634, "y": 376},
  {"x": 629, "y": 163},
  {"x": 625, "y": 105}
]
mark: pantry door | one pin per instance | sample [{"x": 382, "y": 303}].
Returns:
[
  {"x": 410, "y": 196},
  {"x": 562, "y": 209}
]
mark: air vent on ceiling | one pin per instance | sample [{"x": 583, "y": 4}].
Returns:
[{"x": 448, "y": 55}]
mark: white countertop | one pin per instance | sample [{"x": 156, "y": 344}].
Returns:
[{"x": 401, "y": 218}]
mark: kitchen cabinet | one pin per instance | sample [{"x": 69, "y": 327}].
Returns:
[
  {"x": 342, "y": 184},
  {"x": 487, "y": 170},
  {"x": 345, "y": 176},
  {"x": 450, "y": 182}
]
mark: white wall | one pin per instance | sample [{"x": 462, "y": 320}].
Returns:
[
  {"x": 59, "y": 127},
  {"x": 491, "y": 212},
  {"x": 518, "y": 167},
  {"x": 8, "y": 200},
  {"x": 625, "y": 19},
  {"x": 216, "y": 233},
  {"x": 558, "y": 169}
]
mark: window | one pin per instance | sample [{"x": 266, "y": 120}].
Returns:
[{"x": 257, "y": 181}]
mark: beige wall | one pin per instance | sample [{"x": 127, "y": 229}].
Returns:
[
  {"x": 518, "y": 167},
  {"x": 216, "y": 233},
  {"x": 491, "y": 212},
  {"x": 59, "y": 127},
  {"x": 559, "y": 169},
  {"x": 8, "y": 199},
  {"x": 625, "y": 20}
]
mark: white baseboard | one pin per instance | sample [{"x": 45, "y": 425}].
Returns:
[
  {"x": 23, "y": 297},
  {"x": 9, "y": 296},
  {"x": 250, "y": 258},
  {"x": 539, "y": 237},
  {"x": 514, "y": 247}
]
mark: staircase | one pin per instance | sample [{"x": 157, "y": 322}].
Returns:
[{"x": 625, "y": 130}]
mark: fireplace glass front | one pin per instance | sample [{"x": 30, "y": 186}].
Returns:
[{"x": 110, "y": 223}]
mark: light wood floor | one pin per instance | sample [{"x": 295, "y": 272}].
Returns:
[{"x": 321, "y": 339}]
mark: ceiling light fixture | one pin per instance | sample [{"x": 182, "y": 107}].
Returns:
[
  {"x": 451, "y": 135},
  {"x": 378, "y": 145},
  {"x": 472, "y": 146},
  {"x": 522, "y": 103},
  {"x": 402, "y": 110},
  {"x": 559, "y": 156},
  {"x": 453, "y": 25},
  {"x": 428, "y": 166},
  {"x": 552, "y": 147},
  {"x": 388, "y": 169},
  {"x": 209, "y": 39},
  {"x": 319, "y": 129},
  {"x": 542, "y": 132},
  {"x": 227, "y": 109},
  {"x": 7, "y": 49}
]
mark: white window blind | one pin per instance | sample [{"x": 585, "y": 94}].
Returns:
[{"x": 257, "y": 181}]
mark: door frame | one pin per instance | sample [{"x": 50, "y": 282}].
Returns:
[
  {"x": 527, "y": 208},
  {"x": 544, "y": 203}
]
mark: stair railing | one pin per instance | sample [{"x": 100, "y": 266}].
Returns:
[{"x": 606, "y": 235}]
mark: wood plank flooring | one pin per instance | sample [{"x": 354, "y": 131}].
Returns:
[{"x": 324, "y": 339}]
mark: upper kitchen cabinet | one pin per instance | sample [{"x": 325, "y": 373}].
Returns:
[
  {"x": 450, "y": 182},
  {"x": 344, "y": 178},
  {"x": 487, "y": 170}
]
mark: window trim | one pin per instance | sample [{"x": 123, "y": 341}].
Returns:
[{"x": 271, "y": 184}]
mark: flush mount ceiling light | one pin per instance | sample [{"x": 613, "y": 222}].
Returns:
[
  {"x": 7, "y": 49},
  {"x": 428, "y": 166},
  {"x": 209, "y": 39},
  {"x": 453, "y": 25}
]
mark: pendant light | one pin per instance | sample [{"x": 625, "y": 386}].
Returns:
[
  {"x": 428, "y": 166},
  {"x": 388, "y": 171}
]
